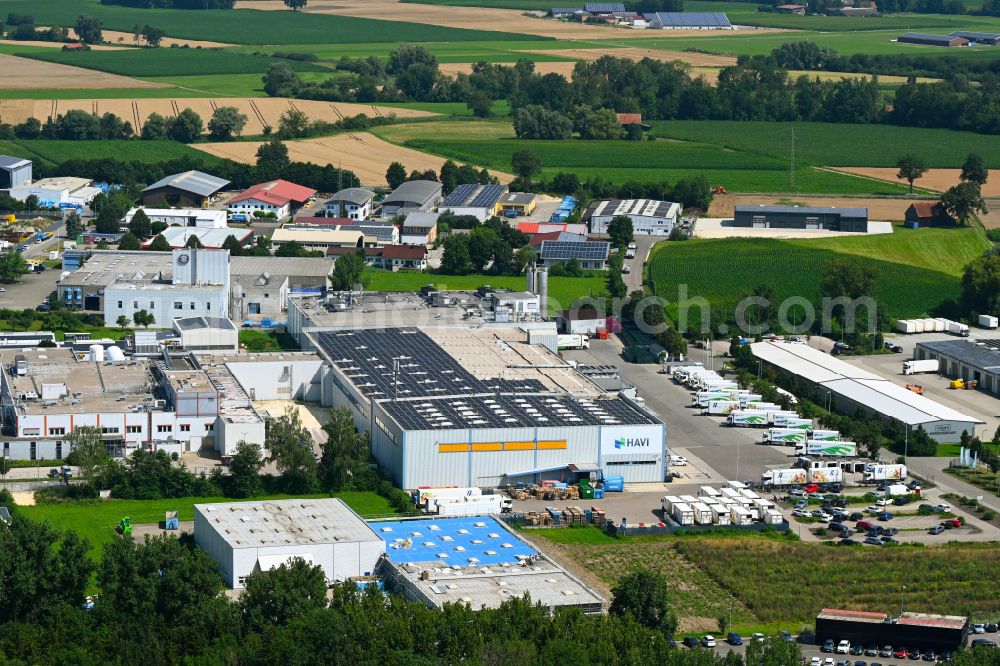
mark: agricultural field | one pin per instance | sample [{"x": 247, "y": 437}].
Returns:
[
  {"x": 916, "y": 270},
  {"x": 26, "y": 73},
  {"x": 95, "y": 521},
  {"x": 563, "y": 291},
  {"x": 54, "y": 151},
  {"x": 824, "y": 144},
  {"x": 249, "y": 26},
  {"x": 770, "y": 577},
  {"x": 175, "y": 62}
]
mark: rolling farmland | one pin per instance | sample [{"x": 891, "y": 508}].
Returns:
[{"x": 175, "y": 62}]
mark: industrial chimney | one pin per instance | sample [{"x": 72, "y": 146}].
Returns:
[
  {"x": 542, "y": 280},
  {"x": 531, "y": 279}
]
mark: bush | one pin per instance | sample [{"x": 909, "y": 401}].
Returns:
[
  {"x": 70, "y": 493},
  {"x": 993, "y": 235},
  {"x": 989, "y": 515}
]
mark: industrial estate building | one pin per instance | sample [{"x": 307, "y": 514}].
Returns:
[
  {"x": 477, "y": 561},
  {"x": 649, "y": 217},
  {"x": 208, "y": 237},
  {"x": 480, "y": 201},
  {"x": 354, "y": 203},
  {"x": 914, "y": 630},
  {"x": 413, "y": 195},
  {"x": 248, "y": 537},
  {"x": 14, "y": 172},
  {"x": 926, "y": 39},
  {"x": 277, "y": 197},
  {"x": 802, "y": 217},
  {"x": 190, "y": 189},
  {"x": 688, "y": 21},
  {"x": 591, "y": 255},
  {"x": 376, "y": 233},
  {"x": 851, "y": 389},
  {"x": 482, "y": 406},
  {"x": 61, "y": 191},
  {"x": 320, "y": 238},
  {"x": 986, "y": 38},
  {"x": 976, "y": 360},
  {"x": 201, "y": 218}
]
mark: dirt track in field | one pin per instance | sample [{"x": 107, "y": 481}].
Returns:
[
  {"x": 25, "y": 74},
  {"x": 937, "y": 180},
  {"x": 363, "y": 153},
  {"x": 473, "y": 18},
  {"x": 260, "y": 111},
  {"x": 886, "y": 210}
]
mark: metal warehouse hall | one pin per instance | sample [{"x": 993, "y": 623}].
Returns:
[{"x": 479, "y": 407}]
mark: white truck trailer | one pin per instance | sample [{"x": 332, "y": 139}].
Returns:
[
  {"x": 763, "y": 406},
  {"x": 667, "y": 503},
  {"x": 730, "y": 493},
  {"x": 573, "y": 342},
  {"x": 988, "y": 321},
  {"x": 702, "y": 398},
  {"x": 875, "y": 473},
  {"x": 822, "y": 447},
  {"x": 784, "y": 477},
  {"x": 785, "y": 436},
  {"x": 720, "y": 514},
  {"x": 958, "y": 328},
  {"x": 702, "y": 514},
  {"x": 773, "y": 517},
  {"x": 825, "y": 435},
  {"x": 917, "y": 366},
  {"x": 735, "y": 485},
  {"x": 783, "y": 418},
  {"x": 422, "y": 495},
  {"x": 826, "y": 475},
  {"x": 721, "y": 407},
  {"x": 474, "y": 506},
  {"x": 740, "y": 516},
  {"x": 708, "y": 491},
  {"x": 743, "y": 418},
  {"x": 682, "y": 513}
]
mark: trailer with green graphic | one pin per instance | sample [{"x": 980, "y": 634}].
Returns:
[
  {"x": 825, "y": 435},
  {"x": 743, "y": 418},
  {"x": 785, "y": 436},
  {"x": 816, "y": 447}
]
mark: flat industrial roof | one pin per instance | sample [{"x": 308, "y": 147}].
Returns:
[
  {"x": 178, "y": 237},
  {"x": 638, "y": 207},
  {"x": 932, "y": 620},
  {"x": 286, "y": 523},
  {"x": 808, "y": 363},
  {"x": 852, "y": 616},
  {"x": 198, "y": 323},
  {"x": 805, "y": 210},
  {"x": 197, "y": 182},
  {"x": 983, "y": 354}
]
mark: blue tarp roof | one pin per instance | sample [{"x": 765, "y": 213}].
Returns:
[{"x": 460, "y": 539}]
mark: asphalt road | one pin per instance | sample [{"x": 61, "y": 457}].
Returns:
[{"x": 29, "y": 291}]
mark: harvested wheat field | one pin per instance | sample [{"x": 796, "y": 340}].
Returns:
[
  {"x": 259, "y": 111},
  {"x": 887, "y": 210},
  {"x": 937, "y": 180},
  {"x": 24, "y": 73},
  {"x": 363, "y": 153},
  {"x": 116, "y": 37},
  {"x": 474, "y": 18}
]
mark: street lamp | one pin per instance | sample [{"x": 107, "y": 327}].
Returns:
[{"x": 901, "y": 599}]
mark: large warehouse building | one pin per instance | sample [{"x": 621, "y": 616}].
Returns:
[
  {"x": 914, "y": 630},
  {"x": 851, "y": 389},
  {"x": 246, "y": 537},
  {"x": 801, "y": 217},
  {"x": 976, "y": 360},
  {"x": 480, "y": 407},
  {"x": 649, "y": 217}
]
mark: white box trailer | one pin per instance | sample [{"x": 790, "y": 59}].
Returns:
[
  {"x": 822, "y": 447},
  {"x": 825, "y": 435},
  {"x": 785, "y": 436},
  {"x": 730, "y": 494},
  {"x": 784, "y": 477},
  {"x": 721, "y": 407},
  {"x": 702, "y": 398},
  {"x": 932, "y": 325},
  {"x": 924, "y": 365},
  {"x": 740, "y": 516},
  {"x": 988, "y": 321},
  {"x": 424, "y": 494},
  {"x": 826, "y": 475},
  {"x": 749, "y": 494},
  {"x": 735, "y": 485},
  {"x": 763, "y": 504},
  {"x": 708, "y": 491},
  {"x": 473, "y": 506},
  {"x": 720, "y": 515},
  {"x": 702, "y": 514},
  {"x": 748, "y": 398},
  {"x": 689, "y": 499},
  {"x": 958, "y": 328},
  {"x": 682, "y": 513},
  {"x": 897, "y": 490},
  {"x": 874, "y": 473},
  {"x": 763, "y": 406},
  {"x": 667, "y": 503},
  {"x": 783, "y": 418},
  {"x": 906, "y": 326},
  {"x": 773, "y": 517},
  {"x": 743, "y": 418}
]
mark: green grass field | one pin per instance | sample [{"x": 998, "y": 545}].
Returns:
[
  {"x": 915, "y": 270},
  {"x": 170, "y": 62},
  {"x": 54, "y": 151},
  {"x": 95, "y": 521},
  {"x": 249, "y": 26},
  {"x": 834, "y": 144},
  {"x": 562, "y": 291}
]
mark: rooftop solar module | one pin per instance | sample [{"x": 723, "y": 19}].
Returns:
[
  {"x": 488, "y": 196},
  {"x": 565, "y": 250},
  {"x": 459, "y": 196},
  {"x": 451, "y": 541}
]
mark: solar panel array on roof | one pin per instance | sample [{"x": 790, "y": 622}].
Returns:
[
  {"x": 691, "y": 19},
  {"x": 565, "y": 250},
  {"x": 489, "y": 196},
  {"x": 983, "y": 354},
  {"x": 604, "y": 7},
  {"x": 459, "y": 196}
]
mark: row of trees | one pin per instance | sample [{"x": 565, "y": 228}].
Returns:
[{"x": 78, "y": 125}]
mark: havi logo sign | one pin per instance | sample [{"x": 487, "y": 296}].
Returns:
[{"x": 631, "y": 442}]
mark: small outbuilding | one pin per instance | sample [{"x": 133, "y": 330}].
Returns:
[
  {"x": 927, "y": 213},
  {"x": 190, "y": 189}
]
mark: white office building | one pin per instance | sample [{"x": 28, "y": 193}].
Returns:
[{"x": 649, "y": 217}]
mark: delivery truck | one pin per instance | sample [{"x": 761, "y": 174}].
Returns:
[
  {"x": 821, "y": 447},
  {"x": 785, "y": 436},
  {"x": 682, "y": 513},
  {"x": 826, "y": 475},
  {"x": 482, "y": 505},
  {"x": 743, "y": 418},
  {"x": 421, "y": 495},
  {"x": 825, "y": 435},
  {"x": 762, "y": 406},
  {"x": 897, "y": 490},
  {"x": 573, "y": 342},
  {"x": 721, "y": 407},
  {"x": 784, "y": 477},
  {"x": 875, "y": 473},
  {"x": 988, "y": 321},
  {"x": 702, "y": 398},
  {"x": 917, "y": 366}
]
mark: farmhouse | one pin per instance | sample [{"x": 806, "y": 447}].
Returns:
[
  {"x": 201, "y": 218},
  {"x": 591, "y": 255},
  {"x": 244, "y": 537},
  {"x": 927, "y": 39},
  {"x": 420, "y": 228},
  {"x": 354, "y": 203},
  {"x": 975, "y": 360},
  {"x": 76, "y": 192},
  {"x": 649, "y": 217},
  {"x": 14, "y": 172},
  {"x": 191, "y": 189},
  {"x": 210, "y": 239},
  {"x": 802, "y": 217},
  {"x": 688, "y": 21},
  {"x": 985, "y": 38},
  {"x": 279, "y": 197},
  {"x": 413, "y": 195},
  {"x": 479, "y": 201},
  {"x": 927, "y": 213},
  {"x": 790, "y": 9}
]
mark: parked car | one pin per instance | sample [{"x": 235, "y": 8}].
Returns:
[
  {"x": 848, "y": 542},
  {"x": 757, "y": 637},
  {"x": 787, "y": 636},
  {"x": 691, "y": 642},
  {"x": 708, "y": 641},
  {"x": 887, "y": 539},
  {"x": 885, "y": 515},
  {"x": 915, "y": 654},
  {"x": 802, "y": 513},
  {"x": 843, "y": 647},
  {"x": 978, "y": 629},
  {"x": 734, "y": 638},
  {"x": 828, "y": 646},
  {"x": 885, "y": 501},
  {"x": 796, "y": 492},
  {"x": 871, "y": 651},
  {"x": 930, "y": 656},
  {"x": 678, "y": 461},
  {"x": 872, "y": 541},
  {"x": 941, "y": 508},
  {"x": 801, "y": 504},
  {"x": 890, "y": 531},
  {"x": 937, "y": 529},
  {"x": 856, "y": 516},
  {"x": 901, "y": 653},
  {"x": 949, "y": 523},
  {"x": 815, "y": 661},
  {"x": 857, "y": 649},
  {"x": 992, "y": 627},
  {"x": 865, "y": 525},
  {"x": 885, "y": 651},
  {"x": 811, "y": 488},
  {"x": 983, "y": 642},
  {"x": 861, "y": 662},
  {"x": 893, "y": 347}
]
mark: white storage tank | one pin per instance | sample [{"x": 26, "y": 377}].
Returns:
[
  {"x": 115, "y": 354},
  {"x": 97, "y": 353}
]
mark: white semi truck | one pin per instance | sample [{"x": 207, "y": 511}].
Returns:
[
  {"x": 747, "y": 417},
  {"x": 876, "y": 472},
  {"x": 573, "y": 342},
  {"x": 917, "y": 366}
]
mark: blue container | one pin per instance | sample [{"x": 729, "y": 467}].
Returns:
[
  {"x": 614, "y": 484},
  {"x": 598, "y": 493}
]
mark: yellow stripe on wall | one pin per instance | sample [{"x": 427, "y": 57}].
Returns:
[
  {"x": 486, "y": 446},
  {"x": 518, "y": 446},
  {"x": 453, "y": 448},
  {"x": 558, "y": 444}
]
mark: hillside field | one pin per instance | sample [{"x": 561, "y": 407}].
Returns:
[
  {"x": 916, "y": 270},
  {"x": 170, "y": 62},
  {"x": 55, "y": 151}
]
